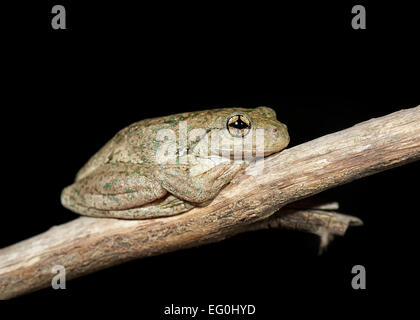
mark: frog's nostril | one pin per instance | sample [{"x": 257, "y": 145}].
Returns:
[{"x": 275, "y": 130}]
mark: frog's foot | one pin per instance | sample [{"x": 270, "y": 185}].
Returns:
[{"x": 201, "y": 188}]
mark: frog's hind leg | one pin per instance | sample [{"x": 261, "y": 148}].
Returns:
[
  {"x": 167, "y": 206},
  {"x": 121, "y": 191}
]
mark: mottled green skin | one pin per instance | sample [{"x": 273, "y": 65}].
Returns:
[{"x": 125, "y": 180}]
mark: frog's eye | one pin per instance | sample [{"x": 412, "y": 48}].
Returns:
[{"x": 238, "y": 125}]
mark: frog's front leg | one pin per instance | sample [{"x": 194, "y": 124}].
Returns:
[
  {"x": 182, "y": 182},
  {"x": 121, "y": 191}
]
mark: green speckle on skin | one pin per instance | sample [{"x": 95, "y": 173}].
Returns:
[
  {"x": 83, "y": 198},
  {"x": 114, "y": 181},
  {"x": 76, "y": 191},
  {"x": 155, "y": 147},
  {"x": 107, "y": 186},
  {"x": 137, "y": 171},
  {"x": 130, "y": 193},
  {"x": 110, "y": 196}
]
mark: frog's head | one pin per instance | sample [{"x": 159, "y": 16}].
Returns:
[{"x": 256, "y": 126}]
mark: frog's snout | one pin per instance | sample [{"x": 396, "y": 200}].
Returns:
[
  {"x": 280, "y": 133},
  {"x": 277, "y": 138}
]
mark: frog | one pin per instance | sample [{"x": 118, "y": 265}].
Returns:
[{"x": 130, "y": 177}]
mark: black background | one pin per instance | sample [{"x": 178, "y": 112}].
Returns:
[{"x": 67, "y": 92}]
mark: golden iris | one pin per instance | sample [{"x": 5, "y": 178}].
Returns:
[{"x": 238, "y": 125}]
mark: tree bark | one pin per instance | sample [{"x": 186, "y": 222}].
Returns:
[{"x": 85, "y": 245}]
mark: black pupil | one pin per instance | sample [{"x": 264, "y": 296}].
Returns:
[{"x": 239, "y": 124}]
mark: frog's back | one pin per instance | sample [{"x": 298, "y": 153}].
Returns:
[{"x": 137, "y": 143}]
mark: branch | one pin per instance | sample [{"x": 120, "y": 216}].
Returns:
[{"x": 86, "y": 244}]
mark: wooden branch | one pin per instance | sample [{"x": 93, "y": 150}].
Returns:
[{"x": 88, "y": 244}]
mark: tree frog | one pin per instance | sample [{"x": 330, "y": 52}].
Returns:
[{"x": 165, "y": 166}]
